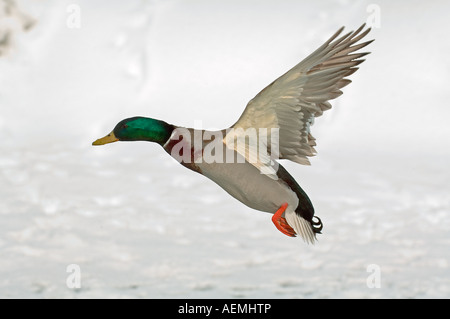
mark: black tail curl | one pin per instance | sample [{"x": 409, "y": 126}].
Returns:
[
  {"x": 305, "y": 208},
  {"x": 317, "y": 226}
]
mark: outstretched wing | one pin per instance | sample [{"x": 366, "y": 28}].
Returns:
[{"x": 292, "y": 101}]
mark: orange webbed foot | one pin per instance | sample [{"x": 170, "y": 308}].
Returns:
[{"x": 281, "y": 223}]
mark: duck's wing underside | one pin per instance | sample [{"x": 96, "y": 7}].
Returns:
[{"x": 290, "y": 103}]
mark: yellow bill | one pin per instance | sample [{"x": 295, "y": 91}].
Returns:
[{"x": 110, "y": 138}]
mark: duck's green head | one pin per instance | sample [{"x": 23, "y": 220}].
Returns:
[{"x": 138, "y": 129}]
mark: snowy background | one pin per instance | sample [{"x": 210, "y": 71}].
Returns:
[{"x": 140, "y": 225}]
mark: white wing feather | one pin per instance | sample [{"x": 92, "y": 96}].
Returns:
[{"x": 292, "y": 101}]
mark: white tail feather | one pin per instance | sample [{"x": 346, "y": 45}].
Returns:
[{"x": 301, "y": 226}]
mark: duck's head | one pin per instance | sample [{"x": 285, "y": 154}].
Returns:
[{"x": 138, "y": 129}]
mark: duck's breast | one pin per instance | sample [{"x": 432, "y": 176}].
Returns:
[{"x": 198, "y": 152}]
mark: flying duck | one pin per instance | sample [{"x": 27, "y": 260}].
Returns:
[{"x": 243, "y": 159}]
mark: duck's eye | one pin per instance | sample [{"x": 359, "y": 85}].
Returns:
[{"x": 124, "y": 126}]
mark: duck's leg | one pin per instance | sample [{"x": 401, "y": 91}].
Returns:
[{"x": 281, "y": 223}]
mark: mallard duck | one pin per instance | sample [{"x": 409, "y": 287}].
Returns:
[{"x": 275, "y": 124}]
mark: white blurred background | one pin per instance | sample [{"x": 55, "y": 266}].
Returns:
[{"x": 140, "y": 225}]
